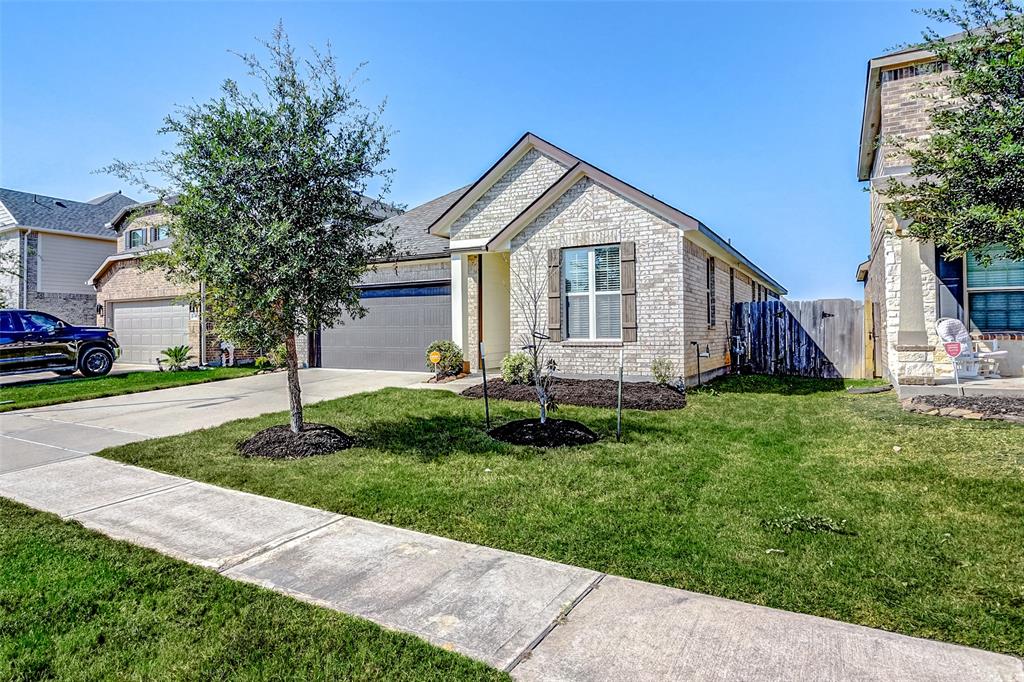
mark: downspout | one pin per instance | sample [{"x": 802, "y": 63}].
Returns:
[
  {"x": 24, "y": 268},
  {"x": 202, "y": 323}
]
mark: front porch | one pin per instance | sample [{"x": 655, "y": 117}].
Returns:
[{"x": 481, "y": 306}]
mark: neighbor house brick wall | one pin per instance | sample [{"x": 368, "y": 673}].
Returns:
[
  {"x": 905, "y": 114},
  {"x": 505, "y": 199},
  {"x": 589, "y": 215}
]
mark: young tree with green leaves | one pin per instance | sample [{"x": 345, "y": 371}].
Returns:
[
  {"x": 966, "y": 190},
  {"x": 270, "y": 209}
]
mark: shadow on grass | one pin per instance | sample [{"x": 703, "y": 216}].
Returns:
[
  {"x": 781, "y": 385},
  {"x": 430, "y": 438}
]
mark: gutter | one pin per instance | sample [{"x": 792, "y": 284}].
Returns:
[{"x": 731, "y": 250}]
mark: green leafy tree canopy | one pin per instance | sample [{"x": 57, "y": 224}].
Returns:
[
  {"x": 966, "y": 190},
  {"x": 267, "y": 194}
]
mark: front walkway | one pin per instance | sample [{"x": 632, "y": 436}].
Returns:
[
  {"x": 56, "y": 432},
  {"x": 1006, "y": 387},
  {"x": 539, "y": 619}
]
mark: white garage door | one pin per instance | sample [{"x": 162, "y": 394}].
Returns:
[
  {"x": 399, "y": 325},
  {"x": 144, "y": 328}
]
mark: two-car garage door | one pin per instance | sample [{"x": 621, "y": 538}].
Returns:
[
  {"x": 144, "y": 328},
  {"x": 399, "y": 325}
]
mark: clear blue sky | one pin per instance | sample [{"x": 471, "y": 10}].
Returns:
[{"x": 743, "y": 115}]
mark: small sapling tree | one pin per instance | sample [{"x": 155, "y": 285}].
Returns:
[{"x": 529, "y": 296}]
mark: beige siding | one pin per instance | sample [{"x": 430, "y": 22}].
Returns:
[{"x": 65, "y": 263}]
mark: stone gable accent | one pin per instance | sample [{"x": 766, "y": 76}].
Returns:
[{"x": 505, "y": 199}]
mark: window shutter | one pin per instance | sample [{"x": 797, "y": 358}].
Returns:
[
  {"x": 555, "y": 294},
  {"x": 627, "y": 280}
]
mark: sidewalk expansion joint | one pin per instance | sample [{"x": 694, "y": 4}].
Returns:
[
  {"x": 147, "y": 493},
  {"x": 275, "y": 544},
  {"x": 45, "y": 445},
  {"x": 558, "y": 620}
]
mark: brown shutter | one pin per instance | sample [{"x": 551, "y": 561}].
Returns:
[
  {"x": 555, "y": 294},
  {"x": 627, "y": 281}
]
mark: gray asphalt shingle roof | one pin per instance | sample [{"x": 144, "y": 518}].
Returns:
[
  {"x": 411, "y": 237},
  {"x": 65, "y": 215}
]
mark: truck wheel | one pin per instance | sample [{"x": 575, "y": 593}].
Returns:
[{"x": 95, "y": 362}]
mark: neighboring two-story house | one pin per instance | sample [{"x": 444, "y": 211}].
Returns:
[
  {"x": 56, "y": 245},
  {"x": 909, "y": 285}
]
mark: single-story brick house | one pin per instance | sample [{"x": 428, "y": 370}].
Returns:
[
  {"x": 626, "y": 271},
  {"x": 909, "y": 285},
  {"x": 56, "y": 244},
  {"x": 621, "y": 270}
]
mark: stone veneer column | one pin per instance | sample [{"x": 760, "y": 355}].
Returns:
[{"x": 915, "y": 353}]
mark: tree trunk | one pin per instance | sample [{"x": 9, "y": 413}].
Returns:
[{"x": 294, "y": 390}]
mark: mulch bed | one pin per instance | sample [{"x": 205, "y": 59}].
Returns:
[
  {"x": 554, "y": 433},
  {"x": 645, "y": 395},
  {"x": 445, "y": 379},
  {"x": 279, "y": 442},
  {"x": 968, "y": 407}
]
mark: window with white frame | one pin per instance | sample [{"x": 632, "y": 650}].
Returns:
[
  {"x": 593, "y": 299},
  {"x": 995, "y": 293}
]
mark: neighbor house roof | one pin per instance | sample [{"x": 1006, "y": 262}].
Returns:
[
  {"x": 47, "y": 213},
  {"x": 411, "y": 238},
  {"x": 576, "y": 170}
]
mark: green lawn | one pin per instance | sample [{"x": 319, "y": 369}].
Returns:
[
  {"x": 75, "y": 605},
  {"x": 70, "y": 389},
  {"x": 693, "y": 498}
]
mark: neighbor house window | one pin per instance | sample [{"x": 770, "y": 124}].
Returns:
[
  {"x": 995, "y": 294},
  {"x": 711, "y": 290},
  {"x": 593, "y": 298},
  {"x": 161, "y": 232},
  {"x": 136, "y": 238}
]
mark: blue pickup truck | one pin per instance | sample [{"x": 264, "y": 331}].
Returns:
[{"x": 31, "y": 341}]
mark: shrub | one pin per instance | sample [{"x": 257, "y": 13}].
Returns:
[
  {"x": 278, "y": 355},
  {"x": 663, "y": 370},
  {"x": 176, "y": 357},
  {"x": 264, "y": 363},
  {"x": 451, "y": 357},
  {"x": 517, "y": 368}
]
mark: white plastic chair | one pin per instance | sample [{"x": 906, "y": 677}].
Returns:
[{"x": 971, "y": 362}]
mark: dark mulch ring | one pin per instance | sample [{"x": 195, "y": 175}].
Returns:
[
  {"x": 279, "y": 442},
  {"x": 1009, "y": 409},
  {"x": 553, "y": 433},
  {"x": 643, "y": 395}
]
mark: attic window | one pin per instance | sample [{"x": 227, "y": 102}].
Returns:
[{"x": 912, "y": 71}]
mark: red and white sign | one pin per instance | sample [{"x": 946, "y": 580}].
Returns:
[{"x": 954, "y": 348}]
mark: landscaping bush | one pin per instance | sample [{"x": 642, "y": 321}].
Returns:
[
  {"x": 662, "y": 369},
  {"x": 176, "y": 357},
  {"x": 451, "y": 357},
  {"x": 263, "y": 363},
  {"x": 517, "y": 368}
]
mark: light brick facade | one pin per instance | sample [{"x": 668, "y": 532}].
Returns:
[{"x": 521, "y": 184}]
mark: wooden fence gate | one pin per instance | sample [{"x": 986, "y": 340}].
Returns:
[{"x": 821, "y": 338}]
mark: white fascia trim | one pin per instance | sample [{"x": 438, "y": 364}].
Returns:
[
  {"x": 458, "y": 317},
  {"x": 62, "y": 233},
  {"x": 468, "y": 244}
]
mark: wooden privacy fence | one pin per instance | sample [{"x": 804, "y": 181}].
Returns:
[{"x": 821, "y": 338}]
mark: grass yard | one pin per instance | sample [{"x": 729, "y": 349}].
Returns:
[
  {"x": 720, "y": 497},
  {"x": 78, "y": 606},
  {"x": 70, "y": 389}
]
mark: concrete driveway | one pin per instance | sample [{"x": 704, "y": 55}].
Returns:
[{"x": 58, "y": 432}]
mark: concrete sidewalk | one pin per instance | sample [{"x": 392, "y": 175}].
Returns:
[{"x": 539, "y": 619}]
